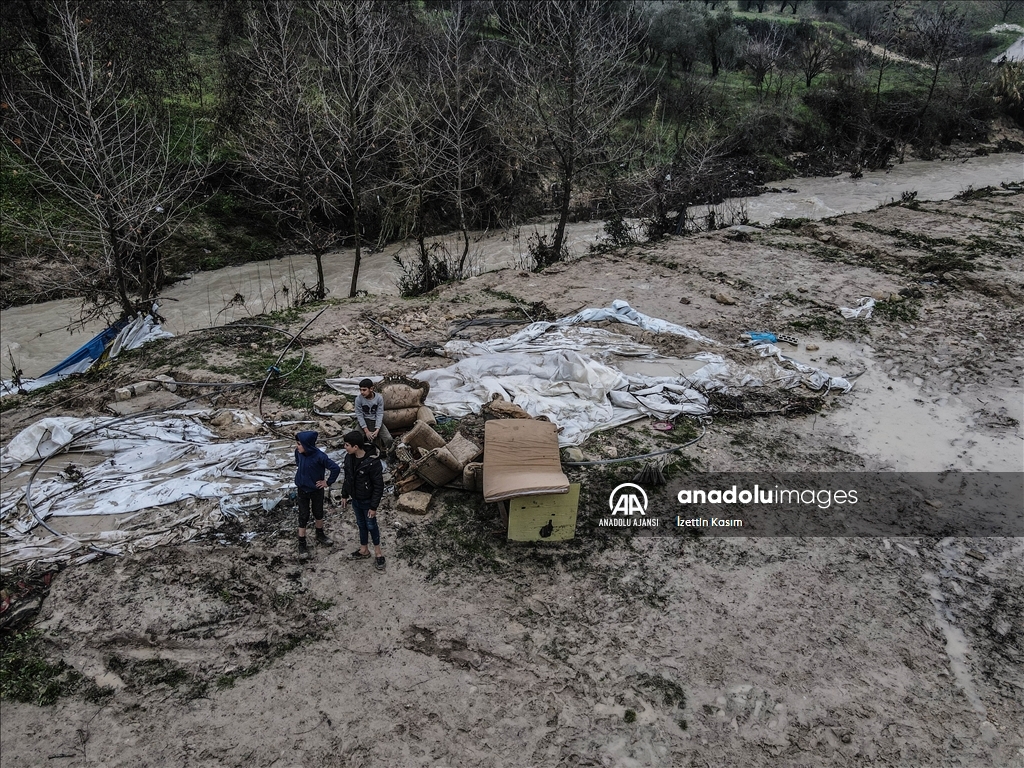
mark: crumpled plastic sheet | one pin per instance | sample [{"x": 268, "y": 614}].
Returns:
[
  {"x": 567, "y": 372},
  {"x": 145, "y": 470},
  {"x": 865, "y": 306},
  {"x": 621, "y": 312}
]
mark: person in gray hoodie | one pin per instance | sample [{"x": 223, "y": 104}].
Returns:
[
  {"x": 312, "y": 464},
  {"x": 369, "y": 408}
]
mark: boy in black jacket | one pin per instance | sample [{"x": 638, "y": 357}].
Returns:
[{"x": 364, "y": 484}]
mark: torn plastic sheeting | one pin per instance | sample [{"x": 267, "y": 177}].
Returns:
[
  {"x": 579, "y": 394},
  {"x": 550, "y": 337},
  {"x": 621, "y": 312},
  {"x": 863, "y": 309},
  {"x": 145, "y": 466},
  {"x": 567, "y": 373}
]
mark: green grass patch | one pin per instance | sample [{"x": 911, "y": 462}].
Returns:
[
  {"x": 905, "y": 311},
  {"x": 26, "y": 674}
]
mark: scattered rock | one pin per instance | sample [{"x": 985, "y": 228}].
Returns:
[
  {"x": 684, "y": 300},
  {"x": 911, "y": 293},
  {"x": 723, "y": 298},
  {"x": 801, "y": 289},
  {"x": 167, "y": 382},
  {"x": 414, "y": 502},
  {"x": 788, "y": 303},
  {"x": 933, "y": 503},
  {"x": 574, "y": 454},
  {"x": 348, "y": 408},
  {"x": 611, "y": 452},
  {"x": 976, "y": 555},
  {"x": 811, "y": 347},
  {"x": 123, "y": 393},
  {"x": 332, "y": 402}
]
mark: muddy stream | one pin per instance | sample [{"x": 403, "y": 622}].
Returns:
[{"x": 38, "y": 336}]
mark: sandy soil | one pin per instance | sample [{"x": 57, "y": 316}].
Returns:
[{"x": 470, "y": 651}]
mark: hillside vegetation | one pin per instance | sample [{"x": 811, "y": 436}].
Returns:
[{"x": 142, "y": 141}]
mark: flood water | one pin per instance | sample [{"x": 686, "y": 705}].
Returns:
[{"x": 37, "y": 336}]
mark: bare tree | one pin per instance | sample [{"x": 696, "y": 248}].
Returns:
[
  {"x": 1006, "y": 7},
  {"x": 357, "y": 57},
  {"x": 88, "y": 137},
  {"x": 570, "y": 82},
  {"x": 815, "y": 55},
  {"x": 762, "y": 53},
  {"x": 416, "y": 159},
  {"x": 457, "y": 88},
  {"x": 939, "y": 33},
  {"x": 281, "y": 135}
]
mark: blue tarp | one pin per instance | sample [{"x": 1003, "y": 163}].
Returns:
[{"x": 91, "y": 350}]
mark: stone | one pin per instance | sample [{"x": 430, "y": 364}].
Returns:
[
  {"x": 801, "y": 289},
  {"x": 812, "y": 347},
  {"x": 611, "y": 452},
  {"x": 331, "y": 402},
  {"x": 933, "y": 503},
  {"x": 414, "y": 502},
  {"x": 723, "y": 298},
  {"x": 167, "y": 382},
  {"x": 684, "y": 300},
  {"x": 788, "y": 303},
  {"x": 329, "y": 428},
  {"x": 123, "y": 393},
  {"x": 574, "y": 454},
  {"x": 349, "y": 407}
]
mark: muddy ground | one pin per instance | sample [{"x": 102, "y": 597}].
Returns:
[{"x": 603, "y": 651}]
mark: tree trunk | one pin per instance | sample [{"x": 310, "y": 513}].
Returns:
[
  {"x": 321, "y": 286},
  {"x": 563, "y": 217},
  {"x": 355, "y": 234}
]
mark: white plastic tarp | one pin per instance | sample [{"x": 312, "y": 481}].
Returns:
[
  {"x": 149, "y": 474},
  {"x": 568, "y": 372}
]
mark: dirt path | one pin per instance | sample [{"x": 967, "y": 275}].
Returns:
[{"x": 470, "y": 651}]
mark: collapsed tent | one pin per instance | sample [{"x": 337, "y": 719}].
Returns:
[
  {"x": 112, "y": 341},
  {"x": 586, "y": 379},
  {"x": 149, "y": 479}
]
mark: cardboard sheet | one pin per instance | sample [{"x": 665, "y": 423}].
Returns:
[{"x": 521, "y": 459}]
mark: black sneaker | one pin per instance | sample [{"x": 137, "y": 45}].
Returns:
[
  {"x": 380, "y": 564},
  {"x": 323, "y": 538},
  {"x": 303, "y": 549},
  {"x": 357, "y": 555}
]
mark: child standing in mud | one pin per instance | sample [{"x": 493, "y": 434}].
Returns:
[
  {"x": 309, "y": 480},
  {"x": 364, "y": 484},
  {"x": 369, "y": 408}
]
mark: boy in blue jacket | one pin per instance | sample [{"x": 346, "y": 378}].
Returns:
[{"x": 309, "y": 479}]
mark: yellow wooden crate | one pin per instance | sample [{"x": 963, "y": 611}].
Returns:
[{"x": 547, "y": 517}]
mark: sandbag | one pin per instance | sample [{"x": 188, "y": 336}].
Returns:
[
  {"x": 472, "y": 476},
  {"x": 397, "y": 419}
]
